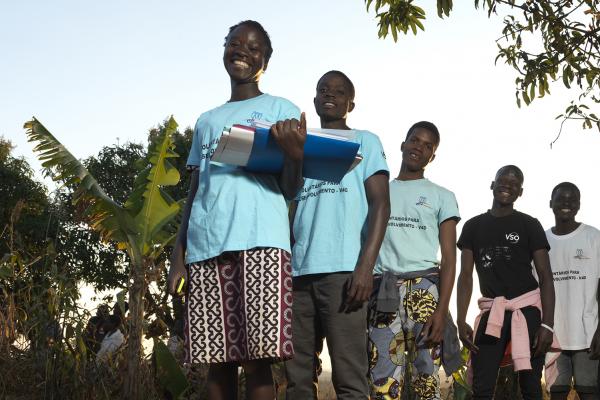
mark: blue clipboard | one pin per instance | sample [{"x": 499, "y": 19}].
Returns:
[{"x": 325, "y": 158}]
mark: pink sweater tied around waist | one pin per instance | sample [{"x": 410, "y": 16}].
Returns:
[{"x": 520, "y": 346}]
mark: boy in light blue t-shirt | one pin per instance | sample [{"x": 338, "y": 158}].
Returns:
[
  {"x": 337, "y": 230},
  {"x": 409, "y": 311}
]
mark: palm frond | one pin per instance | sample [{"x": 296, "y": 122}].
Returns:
[{"x": 101, "y": 212}]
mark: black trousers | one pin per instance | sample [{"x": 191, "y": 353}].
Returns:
[
  {"x": 486, "y": 362},
  {"x": 318, "y": 314}
]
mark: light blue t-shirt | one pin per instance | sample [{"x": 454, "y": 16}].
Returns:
[
  {"x": 233, "y": 209},
  {"x": 411, "y": 242},
  {"x": 331, "y": 219}
]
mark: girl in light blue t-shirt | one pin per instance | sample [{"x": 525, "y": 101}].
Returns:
[{"x": 233, "y": 244}]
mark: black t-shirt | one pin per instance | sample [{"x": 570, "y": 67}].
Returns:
[{"x": 503, "y": 249}]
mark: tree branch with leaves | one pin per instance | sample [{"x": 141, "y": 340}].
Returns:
[{"x": 545, "y": 42}]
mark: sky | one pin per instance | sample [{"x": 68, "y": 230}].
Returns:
[{"x": 98, "y": 73}]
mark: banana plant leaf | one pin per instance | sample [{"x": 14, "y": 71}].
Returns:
[
  {"x": 152, "y": 208},
  {"x": 101, "y": 212},
  {"x": 462, "y": 389},
  {"x": 149, "y": 214},
  {"x": 168, "y": 373}
]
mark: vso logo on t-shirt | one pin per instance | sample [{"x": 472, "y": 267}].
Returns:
[{"x": 512, "y": 237}]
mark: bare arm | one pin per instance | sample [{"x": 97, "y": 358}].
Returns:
[
  {"x": 541, "y": 260},
  {"x": 464, "y": 290},
  {"x": 291, "y": 180},
  {"x": 448, "y": 263},
  {"x": 290, "y": 136},
  {"x": 544, "y": 337},
  {"x": 378, "y": 197},
  {"x": 292, "y": 216},
  {"x": 177, "y": 269},
  {"x": 433, "y": 331},
  {"x": 595, "y": 346}
]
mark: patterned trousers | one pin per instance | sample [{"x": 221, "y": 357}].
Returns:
[{"x": 395, "y": 349}]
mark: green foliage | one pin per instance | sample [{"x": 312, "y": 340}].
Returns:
[
  {"x": 568, "y": 31},
  {"x": 40, "y": 323},
  {"x": 100, "y": 211},
  {"x": 168, "y": 372},
  {"x": 182, "y": 143},
  {"x": 115, "y": 168},
  {"x": 461, "y": 388},
  {"x": 395, "y": 16},
  {"x": 25, "y": 211},
  {"x": 143, "y": 226},
  {"x": 150, "y": 205}
]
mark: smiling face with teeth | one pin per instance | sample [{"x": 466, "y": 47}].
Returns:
[
  {"x": 507, "y": 187},
  {"x": 565, "y": 203},
  {"x": 334, "y": 98},
  {"x": 245, "y": 55}
]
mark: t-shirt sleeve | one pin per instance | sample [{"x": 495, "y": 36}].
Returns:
[
  {"x": 373, "y": 157},
  {"x": 195, "y": 152},
  {"x": 448, "y": 207},
  {"x": 465, "y": 241},
  {"x": 288, "y": 110},
  {"x": 537, "y": 236}
]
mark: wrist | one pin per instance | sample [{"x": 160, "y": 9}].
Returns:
[
  {"x": 294, "y": 158},
  {"x": 441, "y": 309},
  {"x": 547, "y": 327},
  {"x": 365, "y": 264},
  {"x": 549, "y": 322}
]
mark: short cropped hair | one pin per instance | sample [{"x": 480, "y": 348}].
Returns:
[
  {"x": 258, "y": 27},
  {"x": 511, "y": 168},
  {"x": 344, "y": 77},
  {"x": 430, "y": 126},
  {"x": 566, "y": 185}
]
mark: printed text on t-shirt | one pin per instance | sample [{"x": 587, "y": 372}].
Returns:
[
  {"x": 406, "y": 222},
  {"x": 324, "y": 187},
  {"x": 568, "y": 275},
  {"x": 207, "y": 149}
]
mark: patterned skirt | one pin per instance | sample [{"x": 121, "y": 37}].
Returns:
[{"x": 239, "y": 307}]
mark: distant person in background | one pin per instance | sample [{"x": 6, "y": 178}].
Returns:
[
  {"x": 113, "y": 339},
  {"x": 337, "y": 234},
  {"x": 575, "y": 260},
  {"x": 103, "y": 311},
  {"x": 121, "y": 312},
  {"x": 94, "y": 330},
  {"x": 409, "y": 312},
  {"x": 90, "y": 336},
  {"x": 501, "y": 243}
]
